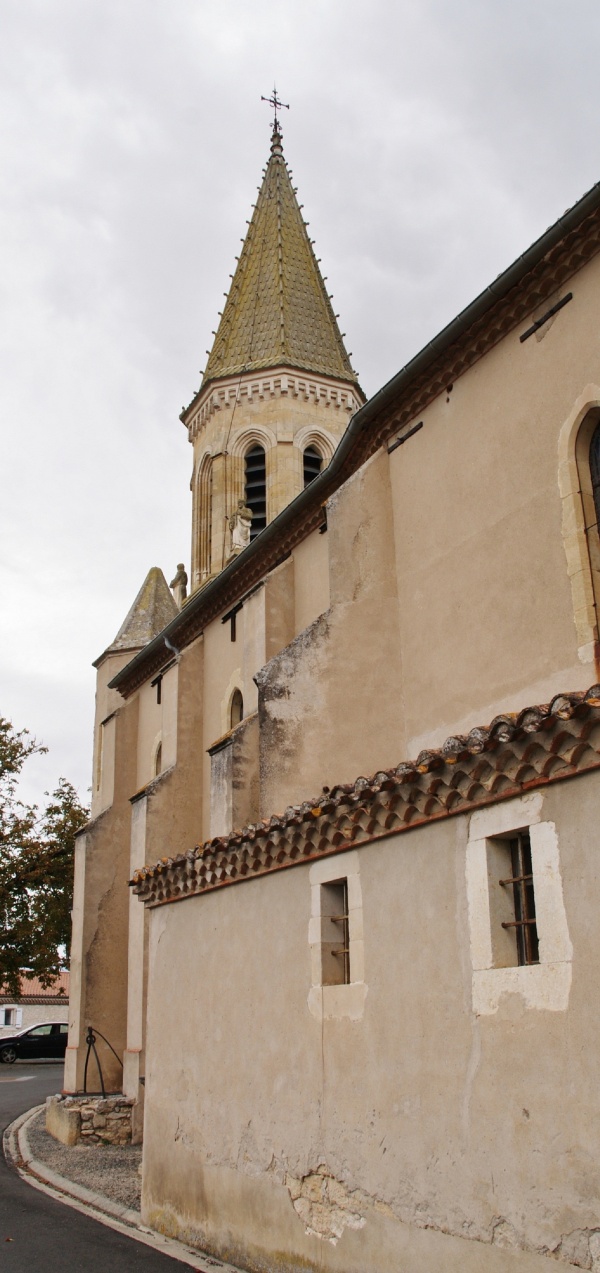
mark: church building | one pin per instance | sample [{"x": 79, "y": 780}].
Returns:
[{"x": 352, "y": 779}]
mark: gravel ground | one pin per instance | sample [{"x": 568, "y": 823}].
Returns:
[{"x": 111, "y": 1170}]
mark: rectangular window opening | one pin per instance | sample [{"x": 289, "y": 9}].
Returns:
[
  {"x": 335, "y": 934},
  {"x": 512, "y": 901},
  {"x": 521, "y": 884}
]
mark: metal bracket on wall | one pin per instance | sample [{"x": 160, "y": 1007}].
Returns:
[
  {"x": 544, "y": 319},
  {"x": 405, "y": 436}
]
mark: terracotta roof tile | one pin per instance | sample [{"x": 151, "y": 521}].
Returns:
[
  {"x": 32, "y": 991},
  {"x": 518, "y": 751}
]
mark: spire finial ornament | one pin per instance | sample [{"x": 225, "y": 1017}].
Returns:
[{"x": 274, "y": 101}]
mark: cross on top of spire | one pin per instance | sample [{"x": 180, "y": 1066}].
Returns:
[{"x": 275, "y": 102}]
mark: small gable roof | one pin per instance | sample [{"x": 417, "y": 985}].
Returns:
[{"x": 153, "y": 608}]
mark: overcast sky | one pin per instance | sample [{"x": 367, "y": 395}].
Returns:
[{"x": 431, "y": 142}]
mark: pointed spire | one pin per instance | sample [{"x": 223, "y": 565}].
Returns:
[
  {"x": 278, "y": 312},
  {"x": 152, "y": 609}
]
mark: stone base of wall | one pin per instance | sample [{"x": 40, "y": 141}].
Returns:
[{"x": 92, "y": 1120}]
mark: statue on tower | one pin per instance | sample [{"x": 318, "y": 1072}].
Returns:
[
  {"x": 240, "y": 525},
  {"x": 178, "y": 585}
]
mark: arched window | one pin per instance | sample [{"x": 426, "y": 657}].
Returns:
[
  {"x": 237, "y": 709},
  {"x": 158, "y": 760},
  {"x": 595, "y": 472},
  {"x": 256, "y": 488},
  {"x": 313, "y": 463},
  {"x": 581, "y": 519},
  {"x": 202, "y": 523}
]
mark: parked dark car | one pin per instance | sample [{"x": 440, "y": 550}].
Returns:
[{"x": 46, "y": 1041}]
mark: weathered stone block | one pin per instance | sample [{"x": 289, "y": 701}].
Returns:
[{"x": 62, "y": 1122}]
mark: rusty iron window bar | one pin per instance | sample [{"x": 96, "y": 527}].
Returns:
[
  {"x": 231, "y": 617},
  {"x": 521, "y": 882},
  {"x": 157, "y": 682},
  {"x": 544, "y": 319}
]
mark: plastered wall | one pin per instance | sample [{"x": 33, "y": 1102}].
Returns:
[
  {"x": 450, "y": 598},
  {"x": 423, "y": 1132}
]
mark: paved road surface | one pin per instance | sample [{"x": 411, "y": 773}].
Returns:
[{"x": 48, "y": 1237}]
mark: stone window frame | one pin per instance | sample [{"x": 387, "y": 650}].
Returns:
[
  {"x": 202, "y": 520},
  {"x": 240, "y": 444},
  {"x": 545, "y": 985},
  {"x": 578, "y": 520},
  {"x": 318, "y": 438},
  {"x": 236, "y": 707},
  {"x": 234, "y": 683},
  {"x": 345, "y": 1000}
]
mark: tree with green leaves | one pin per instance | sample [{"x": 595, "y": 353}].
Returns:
[{"x": 36, "y": 868}]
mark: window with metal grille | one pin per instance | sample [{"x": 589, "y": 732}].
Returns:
[
  {"x": 519, "y": 885},
  {"x": 595, "y": 471},
  {"x": 256, "y": 488},
  {"x": 313, "y": 463},
  {"x": 335, "y": 936}
]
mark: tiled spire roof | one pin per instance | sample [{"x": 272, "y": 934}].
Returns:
[
  {"x": 152, "y": 609},
  {"x": 278, "y": 311}
]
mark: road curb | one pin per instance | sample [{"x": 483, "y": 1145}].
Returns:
[{"x": 17, "y": 1152}]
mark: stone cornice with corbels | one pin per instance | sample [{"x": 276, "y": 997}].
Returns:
[{"x": 224, "y": 394}]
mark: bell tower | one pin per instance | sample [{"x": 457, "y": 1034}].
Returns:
[{"x": 278, "y": 389}]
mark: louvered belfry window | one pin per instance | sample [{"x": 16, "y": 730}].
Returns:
[
  {"x": 313, "y": 463},
  {"x": 256, "y": 488},
  {"x": 595, "y": 471}
]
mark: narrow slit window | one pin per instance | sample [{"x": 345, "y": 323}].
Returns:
[
  {"x": 523, "y": 900},
  {"x": 158, "y": 760},
  {"x": 100, "y": 757},
  {"x": 335, "y": 934},
  {"x": 256, "y": 488},
  {"x": 313, "y": 463}
]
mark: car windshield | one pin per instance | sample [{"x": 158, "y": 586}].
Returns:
[{"x": 17, "y": 1033}]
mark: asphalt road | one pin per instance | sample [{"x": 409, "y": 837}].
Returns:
[{"x": 39, "y": 1235}]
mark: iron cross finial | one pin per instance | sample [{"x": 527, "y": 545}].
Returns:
[{"x": 274, "y": 101}]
